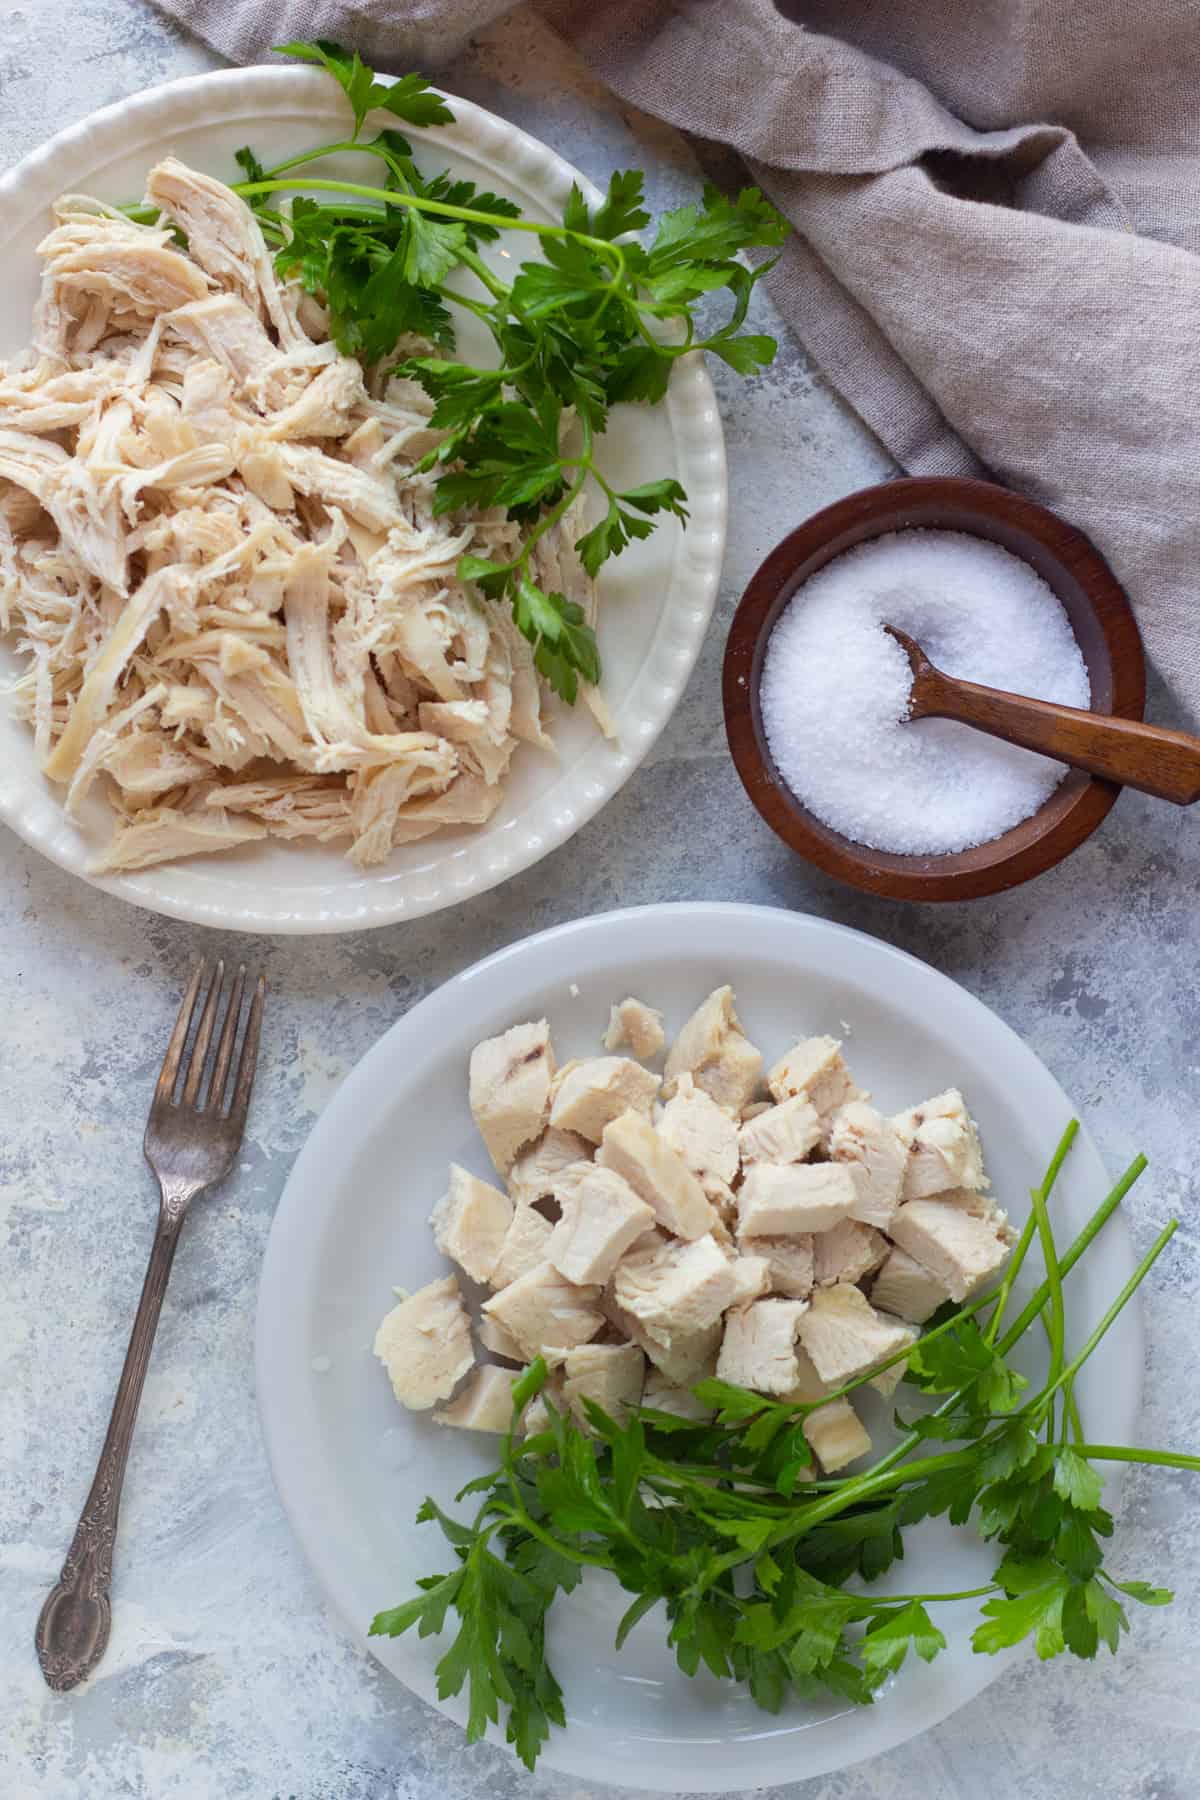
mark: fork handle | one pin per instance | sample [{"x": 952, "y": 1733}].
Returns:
[{"x": 73, "y": 1626}]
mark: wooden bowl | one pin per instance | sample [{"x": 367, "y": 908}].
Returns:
[{"x": 1101, "y": 619}]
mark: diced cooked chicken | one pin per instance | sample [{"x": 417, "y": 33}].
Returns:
[
  {"x": 906, "y": 1288},
  {"x": 682, "y": 1357},
  {"x": 657, "y": 1174},
  {"x": 888, "y": 1380},
  {"x": 847, "y": 1252},
  {"x": 960, "y": 1250},
  {"x": 493, "y": 1337},
  {"x": 542, "y": 1308},
  {"x": 776, "y": 1201},
  {"x": 525, "y": 1244},
  {"x": 537, "y": 1168},
  {"x": 665, "y": 1396},
  {"x": 751, "y": 1277},
  {"x": 471, "y": 1222},
  {"x": 425, "y": 1344},
  {"x": 759, "y": 1347},
  {"x": 712, "y": 1048},
  {"x": 633, "y": 1025},
  {"x": 789, "y": 1262},
  {"x": 844, "y": 1334},
  {"x": 589, "y": 1095},
  {"x": 673, "y": 1286},
  {"x": 786, "y": 1133},
  {"x": 484, "y": 1403},
  {"x": 981, "y": 1206},
  {"x": 510, "y": 1078},
  {"x": 601, "y": 1219},
  {"x": 704, "y": 1135},
  {"x": 814, "y": 1068},
  {"x": 836, "y": 1434},
  {"x": 943, "y": 1144},
  {"x": 536, "y": 1416},
  {"x": 876, "y": 1155},
  {"x": 611, "y": 1375}
]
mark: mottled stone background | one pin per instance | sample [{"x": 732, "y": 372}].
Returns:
[{"x": 227, "y": 1675}]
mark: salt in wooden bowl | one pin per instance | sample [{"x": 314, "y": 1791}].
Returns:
[{"x": 1100, "y": 616}]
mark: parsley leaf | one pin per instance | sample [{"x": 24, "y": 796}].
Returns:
[{"x": 410, "y": 97}]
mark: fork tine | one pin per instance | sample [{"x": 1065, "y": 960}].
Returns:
[
  {"x": 249, "y": 1057},
  {"x": 216, "y": 1091},
  {"x": 170, "y": 1068},
  {"x": 204, "y": 1030}
]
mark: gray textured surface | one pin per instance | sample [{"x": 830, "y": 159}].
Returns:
[{"x": 227, "y": 1675}]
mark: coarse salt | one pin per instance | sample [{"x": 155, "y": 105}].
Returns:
[{"x": 835, "y": 690}]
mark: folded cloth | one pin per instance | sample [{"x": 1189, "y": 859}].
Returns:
[{"x": 996, "y": 214}]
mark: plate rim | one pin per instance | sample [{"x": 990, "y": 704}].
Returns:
[
  {"x": 274, "y": 1377},
  {"x": 371, "y": 900}
]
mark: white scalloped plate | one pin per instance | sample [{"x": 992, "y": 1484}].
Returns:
[
  {"x": 656, "y": 599},
  {"x": 352, "y": 1467}
]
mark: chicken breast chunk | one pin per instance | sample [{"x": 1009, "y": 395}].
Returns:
[
  {"x": 601, "y": 1219},
  {"x": 844, "y": 1334},
  {"x": 837, "y": 1435},
  {"x": 542, "y": 1308},
  {"x": 485, "y": 1402},
  {"x": 470, "y": 1223},
  {"x": 814, "y": 1068},
  {"x": 906, "y": 1288},
  {"x": 876, "y": 1155},
  {"x": 633, "y": 1025},
  {"x": 781, "y": 1134},
  {"x": 847, "y": 1252},
  {"x": 712, "y": 1048},
  {"x": 751, "y": 1278},
  {"x": 657, "y": 1174},
  {"x": 525, "y": 1244},
  {"x": 592, "y": 1094},
  {"x": 425, "y": 1344},
  {"x": 664, "y": 1396},
  {"x": 703, "y": 1134},
  {"x": 510, "y": 1080},
  {"x": 673, "y": 1286},
  {"x": 960, "y": 1250},
  {"x": 682, "y": 1357},
  {"x": 790, "y": 1263},
  {"x": 943, "y": 1147},
  {"x": 539, "y": 1165},
  {"x": 759, "y": 1346},
  {"x": 611, "y": 1375},
  {"x": 493, "y": 1337},
  {"x": 774, "y": 1202}
]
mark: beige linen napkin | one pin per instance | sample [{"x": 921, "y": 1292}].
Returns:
[{"x": 998, "y": 217}]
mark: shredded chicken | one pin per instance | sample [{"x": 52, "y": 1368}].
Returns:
[{"x": 240, "y": 615}]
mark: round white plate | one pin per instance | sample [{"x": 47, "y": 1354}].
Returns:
[
  {"x": 656, "y": 599},
  {"x": 352, "y": 1467}
]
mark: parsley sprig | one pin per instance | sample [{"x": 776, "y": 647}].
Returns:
[
  {"x": 722, "y": 1528},
  {"x": 599, "y": 319}
]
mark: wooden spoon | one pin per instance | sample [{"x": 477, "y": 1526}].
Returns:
[{"x": 1148, "y": 757}]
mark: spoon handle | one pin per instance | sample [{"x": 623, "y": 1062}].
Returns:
[{"x": 1147, "y": 757}]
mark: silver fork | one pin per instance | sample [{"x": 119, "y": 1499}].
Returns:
[{"x": 190, "y": 1144}]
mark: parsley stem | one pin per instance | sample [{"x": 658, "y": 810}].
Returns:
[
  {"x": 865, "y": 1487},
  {"x": 1023, "y": 1242},
  {"x": 1033, "y": 1306},
  {"x": 1057, "y": 1322},
  {"x": 1122, "y": 1300},
  {"x": 1071, "y": 1256},
  {"x": 442, "y": 209},
  {"x": 1165, "y": 1459}
]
